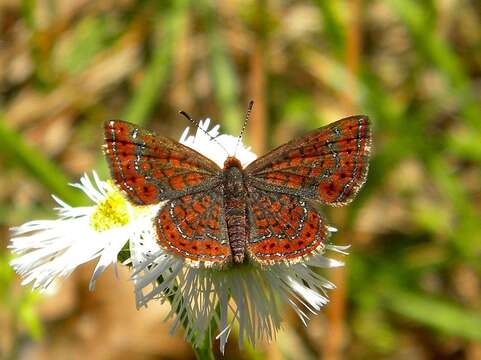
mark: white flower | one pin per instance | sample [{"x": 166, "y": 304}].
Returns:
[
  {"x": 49, "y": 249},
  {"x": 253, "y": 297},
  {"x": 216, "y": 149}
]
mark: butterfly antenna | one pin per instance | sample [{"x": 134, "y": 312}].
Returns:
[
  {"x": 197, "y": 125},
  {"x": 248, "y": 115}
]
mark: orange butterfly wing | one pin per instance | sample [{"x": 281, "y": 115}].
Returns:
[
  {"x": 152, "y": 168},
  {"x": 328, "y": 165},
  {"x": 194, "y": 227},
  {"x": 283, "y": 228}
]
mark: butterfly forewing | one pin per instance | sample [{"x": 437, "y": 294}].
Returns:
[
  {"x": 328, "y": 165},
  {"x": 283, "y": 227},
  {"x": 194, "y": 227},
  {"x": 151, "y": 168}
]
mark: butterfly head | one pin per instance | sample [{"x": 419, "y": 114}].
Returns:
[{"x": 232, "y": 161}]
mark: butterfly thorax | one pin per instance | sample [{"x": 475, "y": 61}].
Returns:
[{"x": 235, "y": 208}]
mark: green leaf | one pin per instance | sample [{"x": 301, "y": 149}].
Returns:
[
  {"x": 465, "y": 144},
  {"x": 7, "y": 276},
  {"x": 28, "y": 316}
]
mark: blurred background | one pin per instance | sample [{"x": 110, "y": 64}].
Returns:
[{"x": 411, "y": 286}]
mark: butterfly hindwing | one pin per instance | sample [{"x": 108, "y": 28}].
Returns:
[
  {"x": 193, "y": 226},
  {"x": 151, "y": 168},
  {"x": 328, "y": 165},
  {"x": 283, "y": 228}
]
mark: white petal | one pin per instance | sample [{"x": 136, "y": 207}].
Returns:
[
  {"x": 216, "y": 147},
  {"x": 49, "y": 249}
]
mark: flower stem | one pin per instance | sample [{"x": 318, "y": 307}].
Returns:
[{"x": 204, "y": 351}]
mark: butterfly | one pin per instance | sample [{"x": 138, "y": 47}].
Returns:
[{"x": 264, "y": 213}]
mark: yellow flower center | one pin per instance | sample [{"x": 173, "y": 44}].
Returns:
[{"x": 111, "y": 212}]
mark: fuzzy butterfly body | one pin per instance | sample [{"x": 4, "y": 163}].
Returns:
[{"x": 266, "y": 212}]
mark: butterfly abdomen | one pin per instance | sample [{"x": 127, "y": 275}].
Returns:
[{"x": 235, "y": 208}]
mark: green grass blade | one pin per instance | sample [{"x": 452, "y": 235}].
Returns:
[
  {"x": 89, "y": 37},
  {"x": 157, "y": 71},
  {"x": 333, "y": 27},
  {"x": 28, "y": 13},
  {"x": 439, "y": 314},
  {"x": 437, "y": 51},
  {"x": 38, "y": 166},
  {"x": 156, "y": 74},
  {"x": 466, "y": 235},
  {"x": 223, "y": 75}
]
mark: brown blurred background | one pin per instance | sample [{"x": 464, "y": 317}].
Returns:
[{"x": 411, "y": 286}]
